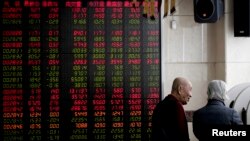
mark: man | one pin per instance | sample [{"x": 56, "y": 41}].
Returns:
[
  {"x": 215, "y": 112},
  {"x": 169, "y": 121}
]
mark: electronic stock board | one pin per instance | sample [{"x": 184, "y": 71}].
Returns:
[{"x": 78, "y": 70}]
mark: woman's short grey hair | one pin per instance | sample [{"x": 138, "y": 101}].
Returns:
[{"x": 217, "y": 90}]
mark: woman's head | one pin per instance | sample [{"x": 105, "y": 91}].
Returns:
[{"x": 217, "y": 90}]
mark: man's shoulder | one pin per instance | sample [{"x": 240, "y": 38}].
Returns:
[{"x": 170, "y": 101}]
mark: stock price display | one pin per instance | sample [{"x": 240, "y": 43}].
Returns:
[{"x": 78, "y": 70}]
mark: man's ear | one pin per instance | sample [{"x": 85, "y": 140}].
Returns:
[{"x": 179, "y": 89}]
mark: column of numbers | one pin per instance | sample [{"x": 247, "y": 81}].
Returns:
[
  {"x": 151, "y": 69},
  {"x": 134, "y": 71},
  {"x": 98, "y": 68},
  {"x": 79, "y": 91},
  {"x": 52, "y": 72},
  {"x": 12, "y": 79},
  {"x": 34, "y": 73},
  {"x": 114, "y": 12}
]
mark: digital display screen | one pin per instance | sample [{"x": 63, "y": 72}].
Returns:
[{"x": 78, "y": 69}]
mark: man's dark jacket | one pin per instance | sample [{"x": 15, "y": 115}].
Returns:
[{"x": 169, "y": 121}]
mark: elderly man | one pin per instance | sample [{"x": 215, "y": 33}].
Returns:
[
  {"x": 169, "y": 121},
  {"x": 215, "y": 113}
]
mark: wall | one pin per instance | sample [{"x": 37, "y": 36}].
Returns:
[
  {"x": 237, "y": 52},
  {"x": 202, "y": 52}
]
